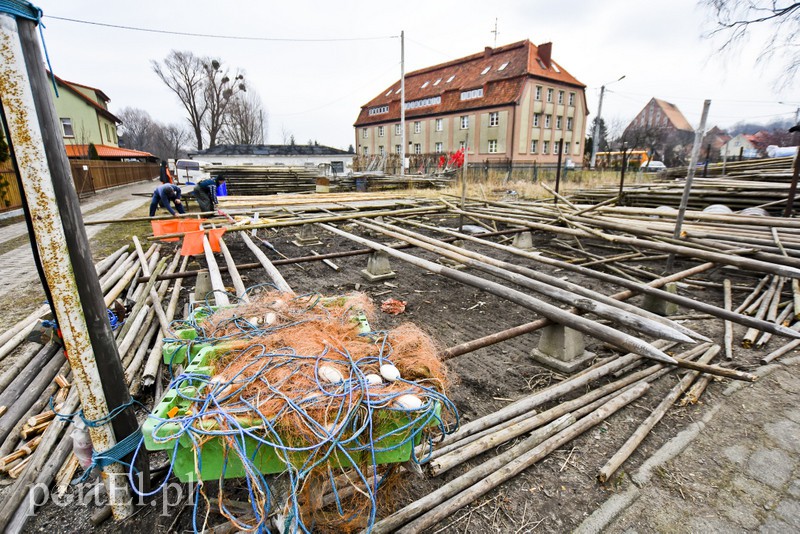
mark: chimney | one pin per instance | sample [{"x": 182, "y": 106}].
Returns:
[
  {"x": 487, "y": 52},
  {"x": 545, "y": 50}
]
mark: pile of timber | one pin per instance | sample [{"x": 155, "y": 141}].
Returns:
[
  {"x": 389, "y": 182},
  {"x": 772, "y": 169},
  {"x": 267, "y": 179}
]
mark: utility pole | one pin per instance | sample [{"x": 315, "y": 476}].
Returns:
[
  {"x": 495, "y": 32},
  {"x": 596, "y": 133},
  {"x": 402, "y": 103},
  {"x": 41, "y": 161}
]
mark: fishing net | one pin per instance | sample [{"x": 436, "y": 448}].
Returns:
[{"x": 336, "y": 405}]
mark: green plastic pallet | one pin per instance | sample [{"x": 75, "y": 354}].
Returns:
[{"x": 265, "y": 458}]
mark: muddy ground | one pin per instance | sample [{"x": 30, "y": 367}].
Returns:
[{"x": 553, "y": 496}]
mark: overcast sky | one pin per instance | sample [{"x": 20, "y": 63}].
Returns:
[{"x": 314, "y": 89}]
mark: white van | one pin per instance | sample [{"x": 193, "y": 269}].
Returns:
[
  {"x": 653, "y": 166},
  {"x": 189, "y": 171}
]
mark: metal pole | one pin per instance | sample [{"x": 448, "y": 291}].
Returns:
[
  {"x": 596, "y": 134},
  {"x": 63, "y": 246},
  {"x": 402, "y": 103},
  {"x": 698, "y": 139}
]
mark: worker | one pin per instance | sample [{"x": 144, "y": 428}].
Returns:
[
  {"x": 206, "y": 193},
  {"x": 164, "y": 194},
  {"x": 164, "y": 175}
]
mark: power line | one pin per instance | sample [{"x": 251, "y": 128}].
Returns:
[{"x": 216, "y": 36}]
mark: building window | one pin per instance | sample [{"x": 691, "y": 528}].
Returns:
[
  {"x": 417, "y": 126},
  {"x": 432, "y": 101},
  {"x": 538, "y": 92},
  {"x": 569, "y": 124},
  {"x": 474, "y": 93},
  {"x": 379, "y": 109},
  {"x": 381, "y": 151},
  {"x": 439, "y": 125},
  {"x": 494, "y": 118},
  {"x": 561, "y": 97},
  {"x": 424, "y": 85},
  {"x": 417, "y": 148},
  {"x": 397, "y": 130},
  {"x": 566, "y": 147},
  {"x": 380, "y": 131},
  {"x": 555, "y": 147},
  {"x": 534, "y": 146},
  {"x": 558, "y": 122},
  {"x": 545, "y": 147},
  {"x": 462, "y": 145},
  {"x": 108, "y": 133},
  {"x": 365, "y": 150},
  {"x": 363, "y": 133},
  {"x": 439, "y": 148},
  {"x": 503, "y": 66},
  {"x": 437, "y": 82},
  {"x": 397, "y": 149},
  {"x": 450, "y": 79},
  {"x": 492, "y": 146},
  {"x": 549, "y": 95},
  {"x": 536, "y": 118},
  {"x": 464, "y": 122},
  {"x": 547, "y": 119},
  {"x": 572, "y": 99},
  {"x": 66, "y": 125}
]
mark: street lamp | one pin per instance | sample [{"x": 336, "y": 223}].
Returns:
[{"x": 596, "y": 133}]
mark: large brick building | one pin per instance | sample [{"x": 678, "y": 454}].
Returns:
[{"x": 511, "y": 103}]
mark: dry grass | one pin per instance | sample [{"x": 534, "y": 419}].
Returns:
[{"x": 115, "y": 235}]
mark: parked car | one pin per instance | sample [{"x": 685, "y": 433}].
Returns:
[{"x": 652, "y": 166}]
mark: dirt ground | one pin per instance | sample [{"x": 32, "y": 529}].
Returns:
[{"x": 556, "y": 494}]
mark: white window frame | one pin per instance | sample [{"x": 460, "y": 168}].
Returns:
[
  {"x": 439, "y": 147},
  {"x": 545, "y": 147},
  {"x": 548, "y": 120},
  {"x": 534, "y": 146},
  {"x": 465, "y": 122},
  {"x": 462, "y": 145},
  {"x": 555, "y": 147},
  {"x": 559, "y": 122},
  {"x": 538, "y": 93},
  {"x": 381, "y": 131},
  {"x": 66, "y": 122},
  {"x": 397, "y": 130},
  {"x": 439, "y": 125},
  {"x": 397, "y": 149},
  {"x": 417, "y": 148},
  {"x": 381, "y": 150},
  {"x": 494, "y": 118},
  {"x": 492, "y": 146},
  {"x": 365, "y": 150},
  {"x": 549, "y": 94},
  {"x": 561, "y": 97},
  {"x": 569, "y": 124},
  {"x": 364, "y": 133},
  {"x": 571, "y": 101},
  {"x": 417, "y": 126},
  {"x": 537, "y": 119}
]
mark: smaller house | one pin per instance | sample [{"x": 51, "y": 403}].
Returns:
[
  {"x": 714, "y": 139},
  {"x": 741, "y": 146},
  {"x": 331, "y": 160}
]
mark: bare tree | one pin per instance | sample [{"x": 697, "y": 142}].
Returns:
[
  {"x": 286, "y": 135},
  {"x": 137, "y": 128},
  {"x": 186, "y": 76},
  {"x": 221, "y": 87},
  {"x": 171, "y": 141},
  {"x": 734, "y": 19},
  {"x": 246, "y": 123}
]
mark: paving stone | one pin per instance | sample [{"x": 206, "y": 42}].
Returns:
[
  {"x": 785, "y": 434},
  {"x": 794, "y": 488},
  {"x": 789, "y": 511},
  {"x": 773, "y": 467},
  {"x": 711, "y": 524},
  {"x": 788, "y": 382},
  {"x": 736, "y": 453},
  {"x": 759, "y": 493},
  {"x": 738, "y": 510},
  {"x": 793, "y": 414}
]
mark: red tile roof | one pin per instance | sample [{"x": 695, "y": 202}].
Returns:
[
  {"x": 79, "y": 151},
  {"x": 674, "y": 115},
  {"x": 500, "y": 87}
]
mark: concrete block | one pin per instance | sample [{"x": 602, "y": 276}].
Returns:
[
  {"x": 660, "y": 306},
  {"x": 202, "y": 287},
  {"x": 378, "y": 267},
  {"x": 523, "y": 241},
  {"x": 562, "y": 348},
  {"x": 306, "y": 237}
]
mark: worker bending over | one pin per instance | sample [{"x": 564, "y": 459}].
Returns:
[
  {"x": 206, "y": 193},
  {"x": 164, "y": 194}
]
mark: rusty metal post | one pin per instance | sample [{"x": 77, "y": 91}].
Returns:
[{"x": 63, "y": 245}]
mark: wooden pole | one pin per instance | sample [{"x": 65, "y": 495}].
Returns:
[
  {"x": 273, "y": 273},
  {"x": 728, "y": 338}
]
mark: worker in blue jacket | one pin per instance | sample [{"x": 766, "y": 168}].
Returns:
[
  {"x": 206, "y": 193},
  {"x": 164, "y": 194}
]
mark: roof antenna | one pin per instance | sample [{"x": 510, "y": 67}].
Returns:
[{"x": 495, "y": 32}]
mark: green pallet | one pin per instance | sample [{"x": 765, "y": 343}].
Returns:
[{"x": 264, "y": 457}]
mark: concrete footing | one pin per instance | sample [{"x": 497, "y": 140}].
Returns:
[
  {"x": 561, "y": 348},
  {"x": 306, "y": 237},
  {"x": 378, "y": 267},
  {"x": 660, "y": 306},
  {"x": 523, "y": 241}
]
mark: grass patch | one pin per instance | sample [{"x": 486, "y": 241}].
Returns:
[
  {"x": 20, "y": 302},
  {"x": 14, "y": 243},
  {"x": 115, "y": 235},
  {"x": 11, "y": 220}
]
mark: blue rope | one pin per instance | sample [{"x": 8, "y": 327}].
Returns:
[
  {"x": 28, "y": 11},
  {"x": 115, "y": 454},
  {"x": 94, "y": 423}
]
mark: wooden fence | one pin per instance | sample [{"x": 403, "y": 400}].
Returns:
[{"x": 89, "y": 176}]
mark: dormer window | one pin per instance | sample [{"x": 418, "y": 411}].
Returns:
[
  {"x": 388, "y": 92},
  {"x": 503, "y": 66},
  {"x": 451, "y": 78},
  {"x": 437, "y": 82},
  {"x": 424, "y": 85},
  {"x": 487, "y": 69}
]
